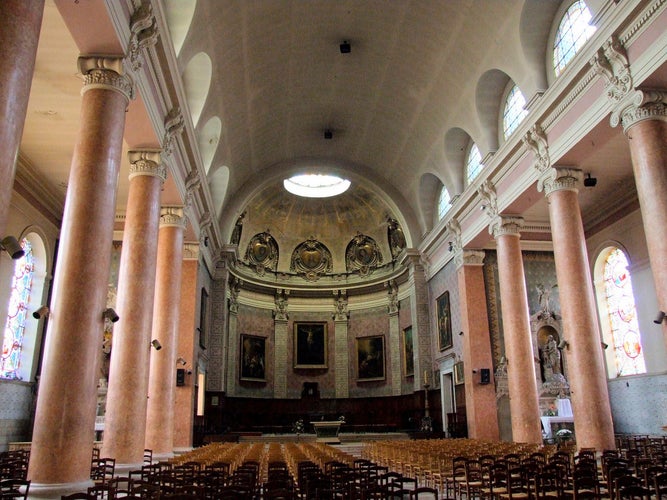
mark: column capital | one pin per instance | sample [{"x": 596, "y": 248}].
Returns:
[
  {"x": 105, "y": 72},
  {"x": 506, "y": 225},
  {"x": 638, "y": 106},
  {"x": 172, "y": 216},
  {"x": 280, "y": 300},
  {"x": 147, "y": 162},
  {"x": 560, "y": 178},
  {"x": 472, "y": 258},
  {"x": 190, "y": 250}
]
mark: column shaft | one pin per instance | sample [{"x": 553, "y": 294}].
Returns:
[
  {"x": 280, "y": 347},
  {"x": 162, "y": 380},
  {"x": 65, "y": 415},
  {"x": 341, "y": 357},
  {"x": 648, "y": 148},
  {"x": 124, "y": 426},
  {"x": 524, "y": 405},
  {"x": 588, "y": 381},
  {"x": 481, "y": 411},
  {"x": 20, "y": 24}
]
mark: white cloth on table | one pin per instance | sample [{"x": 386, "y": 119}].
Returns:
[{"x": 564, "y": 407}]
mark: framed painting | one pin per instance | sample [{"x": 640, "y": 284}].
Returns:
[
  {"x": 408, "y": 353},
  {"x": 310, "y": 345},
  {"x": 253, "y": 358},
  {"x": 370, "y": 358},
  {"x": 444, "y": 321},
  {"x": 458, "y": 373},
  {"x": 203, "y": 318}
]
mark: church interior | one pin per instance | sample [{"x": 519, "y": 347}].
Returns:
[{"x": 358, "y": 232}]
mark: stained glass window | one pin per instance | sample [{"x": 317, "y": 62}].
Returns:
[
  {"x": 444, "y": 202},
  {"x": 12, "y": 340},
  {"x": 573, "y": 32},
  {"x": 514, "y": 111},
  {"x": 473, "y": 164},
  {"x": 626, "y": 340}
]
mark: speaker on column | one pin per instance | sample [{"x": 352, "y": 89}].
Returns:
[
  {"x": 485, "y": 376},
  {"x": 180, "y": 376}
]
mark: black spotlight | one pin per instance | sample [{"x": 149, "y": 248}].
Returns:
[
  {"x": 589, "y": 181},
  {"x": 328, "y": 134},
  {"x": 345, "y": 47}
]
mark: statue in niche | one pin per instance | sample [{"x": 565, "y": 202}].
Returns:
[
  {"x": 396, "y": 237},
  {"x": 238, "y": 229},
  {"x": 551, "y": 358}
]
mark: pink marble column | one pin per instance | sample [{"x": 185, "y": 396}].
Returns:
[
  {"x": 187, "y": 347},
  {"x": 646, "y": 129},
  {"x": 162, "y": 380},
  {"x": 587, "y": 375},
  {"x": 124, "y": 423},
  {"x": 20, "y": 24},
  {"x": 481, "y": 411},
  {"x": 524, "y": 405},
  {"x": 65, "y": 416}
]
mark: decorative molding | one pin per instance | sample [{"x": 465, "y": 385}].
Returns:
[
  {"x": 311, "y": 259},
  {"x": 611, "y": 62},
  {"x": 143, "y": 33},
  {"x": 362, "y": 255},
  {"x": 454, "y": 229},
  {"x": 262, "y": 253},
  {"x": 341, "y": 306},
  {"x": 146, "y": 162},
  {"x": 105, "y": 72},
  {"x": 487, "y": 191},
  {"x": 640, "y": 105},
  {"x": 473, "y": 257},
  {"x": 234, "y": 291},
  {"x": 280, "y": 300},
  {"x": 172, "y": 217},
  {"x": 173, "y": 126},
  {"x": 190, "y": 250},
  {"x": 393, "y": 296},
  {"x": 506, "y": 225},
  {"x": 558, "y": 178},
  {"x": 536, "y": 140}
]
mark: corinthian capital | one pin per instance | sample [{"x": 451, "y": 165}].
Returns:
[
  {"x": 146, "y": 162},
  {"x": 640, "y": 105},
  {"x": 100, "y": 72},
  {"x": 558, "y": 178},
  {"x": 611, "y": 62},
  {"x": 172, "y": 217},
  {"x": 504, "y": 225}
]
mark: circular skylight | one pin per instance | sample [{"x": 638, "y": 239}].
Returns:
[{"x": 316, "y": 185}]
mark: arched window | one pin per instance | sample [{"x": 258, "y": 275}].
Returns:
[
  {"x": 620, "y": 302},
  {"x": 573, "y": 32},
  {"x": 444, "y": 202},
  {"x": 12, "y": 340},
  {"x": 473, "y": 163},
  {"x": 514, "y": 111}
]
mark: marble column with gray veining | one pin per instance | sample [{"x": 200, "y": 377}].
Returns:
[
  {"x": 65, "y": 415},
  {"x": 341, "y": 354}
]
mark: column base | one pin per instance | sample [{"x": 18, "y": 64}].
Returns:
[
  {"x": 161, "y": 457},
  {"x": 124, "y": 470},
  {"x": 53, "y": 491}
]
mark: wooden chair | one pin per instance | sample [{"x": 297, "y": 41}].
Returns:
[
  {"x": 660, "y": 485},
  {"x": 14, "y": 488},
  {"x": 424, "y": 493}
]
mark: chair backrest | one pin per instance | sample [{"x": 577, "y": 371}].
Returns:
[
  {"x": 424, "y": 493},
  {"x": 14, "y": 488}
]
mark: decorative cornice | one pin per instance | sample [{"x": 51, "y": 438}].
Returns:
[
  {"x": 611, "y": 62},
  {"x": 172, "y": 217},
  {"x": 143, "y": 33},
  {"x": 558, "y": 178},
  {"x": 536, "y": 140},
  {"x": 640, "y": 105},
  {"x": 105, "y": 72},
  {"x": 506, "y": 225},
  {"x": 454, "y": 229},
  {"x": 173, "y": 125},
  {"x": 146, "y": 162}
]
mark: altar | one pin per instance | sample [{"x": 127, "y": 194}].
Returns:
[
  {"x": 562, "y": 420},
  {"x": 327, "y": 431}
]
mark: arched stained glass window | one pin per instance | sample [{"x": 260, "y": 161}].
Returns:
[
  {"x": 628, "y": 352},
  {"x": 12, "y": 340},
  {"x": 514, "y": 111},
  {"x": 473, "y": 164},
  {"x": 573, "y": 32},
  {"x": 444, "y": 202}
]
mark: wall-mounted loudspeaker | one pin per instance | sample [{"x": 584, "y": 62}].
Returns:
[
  {"x": 180, "y": 376},
  {"x": 485, "y": 376}
]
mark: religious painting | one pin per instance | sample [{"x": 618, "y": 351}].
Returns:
[
  {"x": 408, "y": 353},
  {"x": 458, "y": 373},
  {"x": 370, "y": 358},
  {"x": 203, "y": 318},
  {"x": 253, "y": 358},
  {"x": 310, "y": 345},
  {"x": 444, "y": 321}
]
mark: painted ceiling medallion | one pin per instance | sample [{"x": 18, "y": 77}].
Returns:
[
  {"x": 311, "y": 259},
  {"x": 362, "y": 255},
  {"x": 262, "y": 253}
]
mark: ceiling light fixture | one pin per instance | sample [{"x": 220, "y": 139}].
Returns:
[
  {"x": 316, "y": 185},
  {"x": 345, "y": 47}
]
